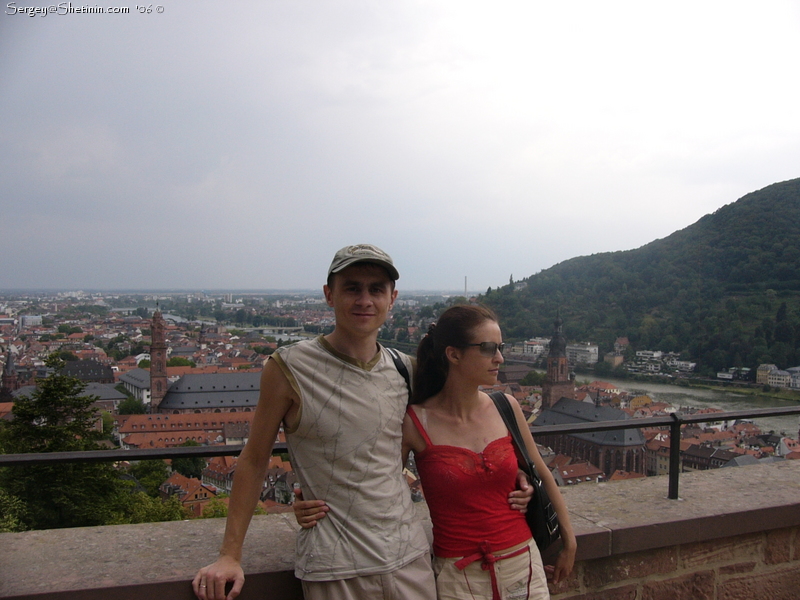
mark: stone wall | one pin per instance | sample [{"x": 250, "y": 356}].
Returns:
[
  {"x": 758, "y": 565},
  {"x": 734, "y": 534}
]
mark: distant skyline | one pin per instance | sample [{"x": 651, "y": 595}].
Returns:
[
  {"x": 210, "y": 292},
  {"x": 230, "y": 147}
]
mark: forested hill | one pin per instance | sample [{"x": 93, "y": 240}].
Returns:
[{"x": 724, "y": 291}]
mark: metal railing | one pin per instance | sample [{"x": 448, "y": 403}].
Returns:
[
  {"x": 674, "y": 422},
  {"x": 53, "y": 458}
]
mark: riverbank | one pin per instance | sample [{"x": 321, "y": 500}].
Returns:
[
  {"x": 748, "y": 390},
  {"x": 684, "y": 392},
  {"x": 735, "y": 387}
]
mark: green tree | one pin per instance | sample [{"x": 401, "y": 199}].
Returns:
[
  {"x": 108, "y": 423},
  {"x": 602, "y": 369},
  {"x": 131, "y": 406},
  {"x": 67, "y": 329},
  {"x": 150, "y": 474},
  {"x": 534, "y": 378},
  {"x": 455, "y": 300},
  {"x": 12, "y": 512},
  {"x": 138, "y": 507},
  {"x": 784, "y": 332},
  {"x": 189, "y": 466},
  {"x": 144, "y": 364},
  {"x": 58, "y": 417},
  {"x": 620, "y": 372},
  {"x": 426, "y": 312},
  {"x": 215, "y": 509},
  {"x": 179, "y": 361},
  {"x": 781, "y": 314}
]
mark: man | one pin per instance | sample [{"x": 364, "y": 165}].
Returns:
[{"x": 341, "y": 400}]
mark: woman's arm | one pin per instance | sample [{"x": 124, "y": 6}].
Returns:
[
  {"x": 308, "y": 512},
  {"x": 566, "y": 558}
]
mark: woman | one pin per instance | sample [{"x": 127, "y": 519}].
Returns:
[{"x": 467, "y": 464}]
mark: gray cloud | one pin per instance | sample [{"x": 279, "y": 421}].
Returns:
[{"x": 218, "y": 146}]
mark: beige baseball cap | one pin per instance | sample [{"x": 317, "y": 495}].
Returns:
[{"x": 350, "y": 255}]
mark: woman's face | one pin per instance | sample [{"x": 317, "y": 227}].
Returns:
[{"x": 479, "y": 361}]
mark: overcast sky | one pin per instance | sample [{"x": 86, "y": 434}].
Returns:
[{"x": 238, "y": 145}]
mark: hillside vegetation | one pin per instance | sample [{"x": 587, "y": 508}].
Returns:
[{"x": 724, "y": 291}]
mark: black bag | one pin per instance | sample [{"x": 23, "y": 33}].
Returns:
[{"x": 541, "y": 516}]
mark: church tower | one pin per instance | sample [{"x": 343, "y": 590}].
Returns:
[
  {"x": 10, "y": 381},
  {"x": 558, "y": 384},
  {"x": 158, "y": 361}
]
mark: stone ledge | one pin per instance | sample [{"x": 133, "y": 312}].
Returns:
[
  {"x": 160, "y": 559},
  {"x": 146, "y": 560},
  {"x": 633, "y": 515}
]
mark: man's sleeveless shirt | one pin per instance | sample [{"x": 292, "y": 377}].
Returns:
[{"x": 346, "y": 450}]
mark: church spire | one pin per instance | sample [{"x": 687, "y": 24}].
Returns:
[
  {"x": 10, "y": 380},
  {"x": 558, "y": 383},
  {"x": 558, "y": 343},
  {"x": 158, "y": 360}
]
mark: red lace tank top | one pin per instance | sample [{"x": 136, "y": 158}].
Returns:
[{"x": 467, "y": 494}]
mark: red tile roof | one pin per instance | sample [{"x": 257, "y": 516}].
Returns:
[
  {"x": 184, "y": 422},
  {"x": 165, "y": 439}
]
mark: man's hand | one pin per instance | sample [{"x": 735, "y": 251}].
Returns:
[
  {"x": 210, "y": 581},
  {"x": 519, "y": 499},
  {"x": 308, "y": 512}
]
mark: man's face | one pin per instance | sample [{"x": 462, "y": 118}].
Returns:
[{"x": 362, "y": 296}]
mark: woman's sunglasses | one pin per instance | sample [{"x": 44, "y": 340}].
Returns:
[{"x": 489, "y": 348}]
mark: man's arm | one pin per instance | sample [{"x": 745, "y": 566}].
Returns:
[
  {"x": 520, "y": 498},
  {"x": 277, "y": 400}
]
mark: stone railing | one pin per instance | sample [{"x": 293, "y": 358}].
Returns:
[{"x": 734, "y": 534}]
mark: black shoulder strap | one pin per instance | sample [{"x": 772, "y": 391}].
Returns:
[
  {"x": 505, "y": 410},
  {"x": 401, "y": 367}
]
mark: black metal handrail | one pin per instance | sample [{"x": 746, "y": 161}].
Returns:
[
  {"x": 674, "y": 422},
  {"x": 45, "y": 458}
]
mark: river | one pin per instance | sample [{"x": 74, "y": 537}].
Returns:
[{"x": 724, "y": 400}]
